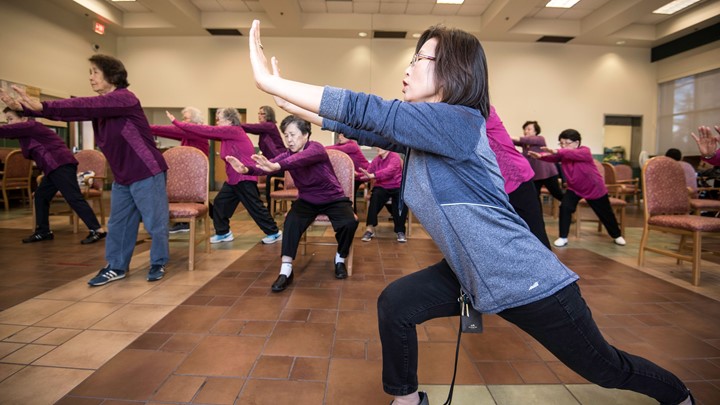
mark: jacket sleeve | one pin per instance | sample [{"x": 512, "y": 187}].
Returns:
[
  {"x": 208, "y": 131},
  {"x": 394, "y": 166},
  {"x": 113, "y": 104},
  {"x": 532, "y": 141},
  {"x": 448, "y": 130},
  {"x": 170, "y": 132},
  {"x": 18, "y": 130},
  {"x": 314, "y": 153},
  {"x": 582, "y": 154},
  {"x": 366, "y": 138}
]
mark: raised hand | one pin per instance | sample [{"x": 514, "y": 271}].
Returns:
[
  {"x": 534, "y": 154},
  {"x": 366, "y": 173},
  {"x": 10, "y": 101},
  {"x": 707, "y": 142},
  {"x": 171, "y": 117},
  {"x": 27, "y": 102},
  {"x": 257, "y": 58},
  {"x": 281, "y": 102},
  {"x": 236, "y": 164}
]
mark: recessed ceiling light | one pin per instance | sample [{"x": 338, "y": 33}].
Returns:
[
  {"x": 450, "y": 1},
  {"x": 416, "y": 35},
  {"x": 362, "y": 34},
  {"x": 561, "y": 3},
  {"x": 621, "y": 42},
  {"x": 675, "y": 6}
]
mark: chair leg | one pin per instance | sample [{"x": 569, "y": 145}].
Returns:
[
  {"x": 303, "y": 243},
  {"x": 5, "y": 198},
  {"x": 643, "y": 242},
  {"x": 191, "y": 253},
  {"x": 697, "y": 254},
  {"x": 577, "y": 222},
  {"x": 680, "y": 248},
  {"x": 207, "y": 233},
  {"x": 102, "y": 211}
]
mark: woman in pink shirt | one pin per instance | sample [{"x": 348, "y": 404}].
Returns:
[
  {"x": 583, "y": 181},
  {"x": 239, "y": 188},
  {"x": 386, "y": 169}
]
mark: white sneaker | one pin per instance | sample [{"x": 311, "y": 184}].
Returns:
[
  {"x": 228, "y": 237},
  {"x": 620, "y": 241},
  {"x": 560, "y": 242},
  {"x": 270, "y": 239}
]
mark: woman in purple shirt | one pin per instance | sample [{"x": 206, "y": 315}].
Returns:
[
  {"x": 270, "y": 143},
  {"x": 319, "y": 192},
  {"x": 238, "y": 188},
  {"x": 386, "y": 170},
  {"x": 123, "y": 134},
  {"x": 59, "y": 167},
  {"x": 583, "y": 181},
  {"x": 546, "y": 174}
]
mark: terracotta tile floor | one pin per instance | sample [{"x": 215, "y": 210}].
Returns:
[{"x": 219, "y": 336}]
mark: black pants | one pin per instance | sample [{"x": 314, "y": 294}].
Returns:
[
  {"x": 600, "y": 206},
  {"x": 562, "y": 323},
  {"x": 552, "y": 185},
  {"x": 301, "y": 216},
  {"x": 530, "y": 210},
  {"x": 378, "y": 199},
  {"x": 227, "y": 200},
  {"x": 63, "y": 179}
]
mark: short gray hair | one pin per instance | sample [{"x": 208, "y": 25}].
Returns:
[
  {"x": 230, "y": 114},
  {"x": 196, "y": 116},
  {"x": 269, "y": 113}
]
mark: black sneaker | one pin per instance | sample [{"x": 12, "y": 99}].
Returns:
[
  {"x": 157, "y": 271},
  {"x": 93, "y": 237},
  {"x": 180, "y": 227},
  {"x": 340, "y": 271},
  {"x": 39, "y": 237}
]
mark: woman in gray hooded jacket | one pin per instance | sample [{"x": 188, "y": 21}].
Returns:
[{"x": 454, "y": 187}]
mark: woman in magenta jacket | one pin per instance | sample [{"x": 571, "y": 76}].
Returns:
[{"x": 583, "y": 181}]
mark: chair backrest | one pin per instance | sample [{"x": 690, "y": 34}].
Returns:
[
  {"x": 690, "y": 176},
  {"x": 188, "y": 175},
  {"x": 608, "y": 171},
  {"x": 93, "y": 160},
  {"x": 344, "y": 171},
  {"x": 623, "y": 172},
  {"x": 600, "y": 168},
  {"x": 663, "y": 182},
  {"x": 289, "y": 183},
  {"x": 17, "y": 168}
]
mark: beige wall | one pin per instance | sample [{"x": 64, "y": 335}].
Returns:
[
  {"x": 561, "y": 86},
  {"x": 619, "y": 135}
]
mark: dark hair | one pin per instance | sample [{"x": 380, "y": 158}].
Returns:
[
  {"x": 269, "y": 113},
  {"x": 533, "y": 123},
  {"x": 570, "y": 134},
  {"x": 674, "y": 153},
  {"x": 302, "y": 125},
  {"x": 18, "y": 113},
  {"x": 460, "y": 68},
  {"x": 113, "y": 70}
]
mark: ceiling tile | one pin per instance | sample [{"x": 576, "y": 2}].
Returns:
[
  {"x": 366, "y": 8},
  {"x": 339, "y": 7},
  {"x": 312, "y": 6},
  {"x": 392, "y": 8},
  {"x": 419, "y": 8},
  {"x": 208, "y": 5}
]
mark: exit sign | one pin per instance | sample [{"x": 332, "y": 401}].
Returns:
[{"x": 99, "y": 28}]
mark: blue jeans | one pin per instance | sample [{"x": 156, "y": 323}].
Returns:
[
  {"x": 561, "y": 322},
  {"x": 147, "y": 200}
]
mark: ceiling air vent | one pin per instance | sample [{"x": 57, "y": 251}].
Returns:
[
  {"x": 390, "y": 34},
  {"x": 224, "y": 32},
  {"x": 554, "y": 39}
]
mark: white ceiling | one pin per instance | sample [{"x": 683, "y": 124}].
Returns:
[{"x": 602, "y": 22}]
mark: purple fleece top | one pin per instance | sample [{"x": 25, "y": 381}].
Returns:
[
  {"x": 40, "y": 144},
  {"x": 388, "y": 171},
  {"x": 514, "y": 167},
  {"x": 234, "y": 142},
  {"x": 312, "y": 172},
  {"x": 543, "y": 170},
  {"x": 121, "y": 131},
  {"x": 352, "y": 149},
  {"x": 580, "y": 172},
  {"x": 270, "y": 141},
  {"x": 173, "y": 132}
]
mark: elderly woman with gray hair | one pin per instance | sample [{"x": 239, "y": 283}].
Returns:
[
  {"x": 190, "y": 115},
  {"x": 238, "y": 188}
]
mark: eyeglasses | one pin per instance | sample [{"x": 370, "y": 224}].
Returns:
[
  {"x": 419, "y": 56},
  {"x": 566, "y": 143}
]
